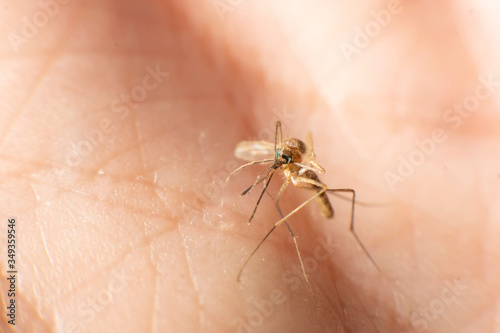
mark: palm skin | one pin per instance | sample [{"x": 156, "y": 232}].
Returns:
[{"x": 120, "y": 122}]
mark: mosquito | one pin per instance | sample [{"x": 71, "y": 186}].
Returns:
[{"x": 298, "y": 163}]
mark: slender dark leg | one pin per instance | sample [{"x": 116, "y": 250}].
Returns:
[
  {"x": 270, "y": 231},
  {"x": 350, "y": 190},
  {"x": 269, "y": 177},
  {"x": 294, "y": 237},
  {"x": 300, "y": 257}
]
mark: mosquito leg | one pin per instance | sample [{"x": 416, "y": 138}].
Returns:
[
  {"x": 350, "y": 190},
  {"x": 255, "y": 183},
  {"x": 270, "y": 231},
  {"x": 282, "y": 189},
  {"x": 294, "y": 237},
  {"x": 393, "y": 286},
  {"x": 253, "y": 252},
  {"x": 314, "y": 168},
  {"x": 297, "y": 181},
  {"x": 248, "y": 164},
  {"x": 364, "y": 203},
  {"x": 269, "y": 176}
]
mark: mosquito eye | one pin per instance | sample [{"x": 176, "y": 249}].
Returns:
[
  {"x": 287, "y": 158},
  {"x": 277, "y": 155}
]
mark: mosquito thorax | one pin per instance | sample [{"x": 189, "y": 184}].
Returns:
[{"x": 294, "y": 148}]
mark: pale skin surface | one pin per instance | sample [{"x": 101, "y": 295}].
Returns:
[{"x": 109, "y": 238}]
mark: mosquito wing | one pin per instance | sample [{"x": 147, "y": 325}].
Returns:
[
  {"x": 311, "y": 156},
  {"x": 254, "y": 150}
]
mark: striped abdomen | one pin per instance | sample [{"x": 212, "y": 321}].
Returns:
[{"x": 322, "y": 199}]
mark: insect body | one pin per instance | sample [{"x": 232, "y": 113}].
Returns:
[
  {"x": 298, "y": 162},
  {"x": 293, "y": 153}
]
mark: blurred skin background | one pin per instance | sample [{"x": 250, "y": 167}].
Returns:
[{"x": 119, "y": 121}]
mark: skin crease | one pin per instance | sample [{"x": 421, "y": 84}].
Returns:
[{"x": 116, "y": 231}]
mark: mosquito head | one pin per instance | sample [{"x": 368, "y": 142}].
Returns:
[{"x": 283, "y": 157}]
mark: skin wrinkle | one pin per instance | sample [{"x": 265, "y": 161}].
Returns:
[
  {"x": 191, "y": 275},
  {"x": 30, "y": 310},
  {"x": 45, "y": 246},
  {"x": 154, "y": 299},
  {"x": 52, "y": 60},
  {"x": 136, "y": 134}
]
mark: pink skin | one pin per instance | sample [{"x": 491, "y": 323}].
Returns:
[{"x": 125, "y": 223}]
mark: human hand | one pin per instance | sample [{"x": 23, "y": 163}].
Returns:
[{"x": 119, "y": 130}]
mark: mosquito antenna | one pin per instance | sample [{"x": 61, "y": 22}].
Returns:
[
  {"x": 277, "y": 136},
  {"x": 350, "y": 190},
  {"x": 248, "y": 164}
]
